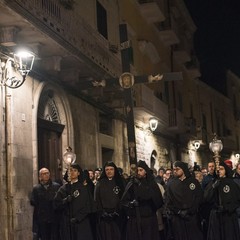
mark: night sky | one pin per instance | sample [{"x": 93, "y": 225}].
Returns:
[{"x": 217, "y": 39}]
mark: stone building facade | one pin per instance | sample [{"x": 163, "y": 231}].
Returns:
[{"x": 77, "y": 45}]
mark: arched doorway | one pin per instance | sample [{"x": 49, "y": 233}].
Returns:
[{"x": 49, "y": 135}]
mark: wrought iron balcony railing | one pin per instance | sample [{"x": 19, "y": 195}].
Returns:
[{"x": 67, "y": 26}]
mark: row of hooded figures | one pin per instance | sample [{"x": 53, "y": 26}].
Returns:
[{"x": 137, "y": 208}]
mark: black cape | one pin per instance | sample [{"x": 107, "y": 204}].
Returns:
[
  {"x": 185, "y": 196},
  {"x": 223, "y": 222},
  {"x": 107, "y": 196},
  {"x": 142, "y": 218},
  {"x": 80, "y": 208}
]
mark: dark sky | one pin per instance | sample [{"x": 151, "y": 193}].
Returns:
[{"x": 217, "y": 39}]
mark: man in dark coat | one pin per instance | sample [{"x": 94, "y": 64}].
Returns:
[
  {"x": 76, "y": 202},
  {"x": 183, "y": 197},
  {"x": 210, "y": 176},
  {"x": 225, "y": 193},
  {"x": 45, "y": 219},
  {"x": 141, "y": 199},
  {"x": 108, "y": 192}
]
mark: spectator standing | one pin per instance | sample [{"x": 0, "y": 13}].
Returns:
[
  {"x": 97, "y": 174},
  {"x": 159, "y": 177},
  {"x": 45, "y": 219},
  {"x": 210, "y": 176},
  {"x": 141, "y": 199},
  {"x": 76, "y": 202},
  {"x": 204, "y": 171},
  {"x": 167, "y": 176},
  {"x": 88, "y": 182},
  {"x": 108, "y": 192},
  {"x": 91, "y": 174},
  {"x": 183, "y": 197},
  {"x": 199, "y": 176}
]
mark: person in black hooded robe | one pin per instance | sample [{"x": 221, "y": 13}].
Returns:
[
  {"x": 142, "y": 198},
  {"x": 76, "y": 203},
  {"x": 108, "y": 192},
  {"x": 183, "y": 197},
  {"x": 225, "y": 194}
]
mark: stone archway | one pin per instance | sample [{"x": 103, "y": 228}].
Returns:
[
  {"x": 52, "y": 129},
  {"x": 49, "y": 135}
]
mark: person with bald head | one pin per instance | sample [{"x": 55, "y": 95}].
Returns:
[{"x": 45, "y": 218}]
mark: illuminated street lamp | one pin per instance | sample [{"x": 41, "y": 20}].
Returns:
[
  {"x": 216, "y": 147},
  {"x": 22, "y": 61},
  {"x": 196, "y": 144},
  {"x": 153, "y": 123},
  {"x": 69, "y": 158}
]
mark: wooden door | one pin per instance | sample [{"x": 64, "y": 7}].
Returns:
[{"x": 49, "y": 147}]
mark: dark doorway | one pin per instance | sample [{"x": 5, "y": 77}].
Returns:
[{"x": 50, "y": 147}]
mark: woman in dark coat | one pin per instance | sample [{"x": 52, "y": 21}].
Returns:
[
  {"x": 77, "y": 204},
  {"x": 225, "y": 194}
]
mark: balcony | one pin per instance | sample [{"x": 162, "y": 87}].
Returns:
[
  {"x": 147, "y": 105},
  {"x": 151, "y": 10},
  {"x": 181, "y": 56},
  {"x": 67, "y": 29},
  {"x": 176, "y": 121},
  {"x": 192, "y": 68},
  {"x": 166, "y": 34}
]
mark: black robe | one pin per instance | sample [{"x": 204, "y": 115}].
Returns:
[
  {"x": 223, "y": 222},
  {"x": 142, "y": 218},
  {"x": 79, "y": 208},
  {"x": 107, "y": 197},
  {"x": 182, "y": 202}
]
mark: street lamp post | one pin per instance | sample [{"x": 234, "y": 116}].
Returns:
[
  {"x": 216, "y": 147},
  {"x": 9, "y": 66}
]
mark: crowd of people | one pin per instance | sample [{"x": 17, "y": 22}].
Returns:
[{"x": 178, "y": 203}]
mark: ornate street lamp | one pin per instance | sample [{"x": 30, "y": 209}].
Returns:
[
  {"x": 22, "y": 61},
  {"x": 69, "y": 158},
  {"x": 153, "y": 123},
  {"x": 216, "y": 147},
  {"x": 196, "y": 144}
]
